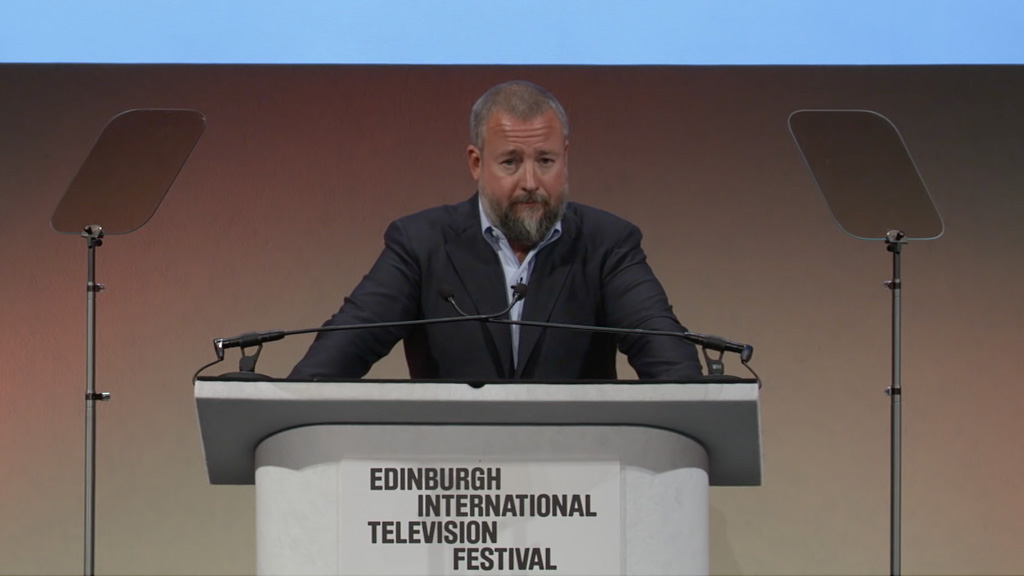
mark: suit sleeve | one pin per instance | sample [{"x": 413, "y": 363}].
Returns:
[
  {"x": 390, "y": 292},
  {"x": 633, "y": 298}
]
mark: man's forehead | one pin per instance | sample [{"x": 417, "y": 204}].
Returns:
[
  {"x": 514, "y": 149},
  {"x": 504, "y": 118},
  {"x": 511, "y": 133}
]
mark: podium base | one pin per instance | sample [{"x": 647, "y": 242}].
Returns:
[{"x": 636, "y": 500}]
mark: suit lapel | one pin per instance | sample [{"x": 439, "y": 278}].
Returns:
[
  {"x": 547, "y": 279},
  {"x": 480, "y": 272}
]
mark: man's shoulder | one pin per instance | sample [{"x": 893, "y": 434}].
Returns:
[
  {"x": 591, "y": 218},
  {"x": 457, "y": 214}
]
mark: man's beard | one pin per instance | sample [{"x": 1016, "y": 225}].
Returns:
[{"x": 530, "y": 229}]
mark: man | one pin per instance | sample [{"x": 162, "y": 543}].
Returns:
[{"x": 583, "y": 266}]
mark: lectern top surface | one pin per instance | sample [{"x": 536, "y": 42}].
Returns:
[
  {"x": 481, "y": 383},
  {"x": 235, "y": 416}
]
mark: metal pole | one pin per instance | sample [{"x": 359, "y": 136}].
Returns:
[
  {"x": 93, "y": 235},
  {"x": 894, "y": 243}
]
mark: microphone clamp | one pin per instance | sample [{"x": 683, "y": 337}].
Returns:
[{"x": 245, "y": 340}]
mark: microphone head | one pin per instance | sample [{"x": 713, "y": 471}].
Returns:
[
  {"x": 747, "y": 353},
  {"x": 218, "y": 347},
  {"x": 445, "y": 291},
  {"x": 519, "y": 291}
]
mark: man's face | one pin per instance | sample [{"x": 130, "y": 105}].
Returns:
[{"x": 522, "y": 175}]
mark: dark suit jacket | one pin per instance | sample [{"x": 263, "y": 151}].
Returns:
[{"x": 595, "y": 274}]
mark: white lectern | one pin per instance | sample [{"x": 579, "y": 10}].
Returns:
[{"x": 512, "y": 478}]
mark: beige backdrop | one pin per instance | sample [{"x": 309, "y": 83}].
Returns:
[{"x": 281, "y": 208}]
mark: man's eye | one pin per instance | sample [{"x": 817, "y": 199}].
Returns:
[{"x": 508, "y": 162}]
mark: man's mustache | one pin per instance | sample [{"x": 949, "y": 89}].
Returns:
[{"x": 531, "y": 198}]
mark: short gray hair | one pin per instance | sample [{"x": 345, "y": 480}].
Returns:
[{"x": 520, "y": 99}]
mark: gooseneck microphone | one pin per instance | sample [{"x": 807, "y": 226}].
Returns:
[
  {"x": 706, "y": 341},
  {"x": 519, "y": 290},
  {"x": 250, "y": 339},
  {"x": 256, "y": 338},
  {"x": 518, "y": 294}
]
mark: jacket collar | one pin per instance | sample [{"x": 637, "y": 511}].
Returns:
[{"x": 480, "y": 272}]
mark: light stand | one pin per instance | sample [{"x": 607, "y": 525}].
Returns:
[
  {"x": 894, "y": 243},
  {"x": 94, "y": 238}
]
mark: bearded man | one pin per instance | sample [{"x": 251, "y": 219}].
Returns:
[{"x": 583, "y": 266}]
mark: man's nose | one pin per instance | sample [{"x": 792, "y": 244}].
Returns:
[{"x": 529, "y": 181}]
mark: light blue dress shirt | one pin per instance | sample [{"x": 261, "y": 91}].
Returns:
[{"x": 515, "y": 272}]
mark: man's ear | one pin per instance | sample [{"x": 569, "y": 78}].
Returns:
[{"x": 475, "y": 159}]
